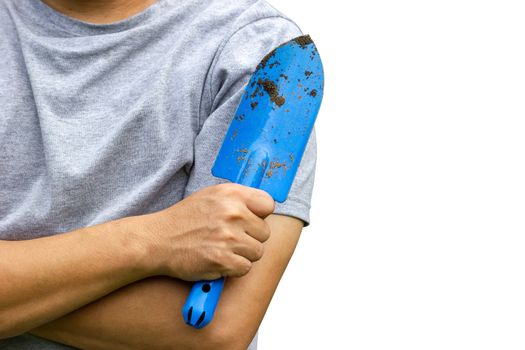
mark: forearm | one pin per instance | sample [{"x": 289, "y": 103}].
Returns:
[
  {"x": 46, "y": 278},
  {"x": 143, "y": 315},
  {"x": 147, "y": 314}
]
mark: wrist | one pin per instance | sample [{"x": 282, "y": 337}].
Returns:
[{"x": 143, "y": 252}]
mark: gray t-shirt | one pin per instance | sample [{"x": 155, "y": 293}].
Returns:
[{"x": 100, "y": 122}]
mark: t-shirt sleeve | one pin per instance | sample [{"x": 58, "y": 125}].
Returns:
[{"x": 228, "y": 77}]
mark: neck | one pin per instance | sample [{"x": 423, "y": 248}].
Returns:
[{"x": 99, "y": 11}]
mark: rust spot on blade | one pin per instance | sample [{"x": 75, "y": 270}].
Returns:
[
  {"x": 267, "y": 57},
  {"x": 303, "y": 41},
  {"x": 255, "y": 92},
  {"x": 276, "y": 165},
  {"x": 242, "y": 156},
  {"x": 271, "y": 89},
  {"x": 276, "y": 63}
]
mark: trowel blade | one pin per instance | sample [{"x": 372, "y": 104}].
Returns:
[{"x": 267, "y": 137}]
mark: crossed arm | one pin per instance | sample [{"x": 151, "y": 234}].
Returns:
[{"x": 147, "y": 314}]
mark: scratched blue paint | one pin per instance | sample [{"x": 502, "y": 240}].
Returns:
[{"x": 265, "y": 142}]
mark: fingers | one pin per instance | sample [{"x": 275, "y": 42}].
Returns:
[
  {"x": 258, "y": 201},
  {"x": 255, "y": 227},
  {"x": 249, "y": 248},
  {"x": 238, "y": 266}
]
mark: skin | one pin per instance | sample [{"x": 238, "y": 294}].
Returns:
[
  {"x": 99, "y": 11},
  {"x": 103, "y": 285},
  {"x": 147, "y": 314},
  {"x": 122, "y": 284}
]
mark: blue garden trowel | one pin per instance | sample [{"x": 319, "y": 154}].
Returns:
[{"x": 266, "y": 140}]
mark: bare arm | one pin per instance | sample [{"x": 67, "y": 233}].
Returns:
[
  {"x": 46, "y": 278},
  {"x": 147, "y": 314},
  {"x": 216, "y": 231}
]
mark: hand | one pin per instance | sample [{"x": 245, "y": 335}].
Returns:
[{"x": 217, "y": 231}]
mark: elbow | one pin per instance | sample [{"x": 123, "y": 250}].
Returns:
[
  {"x": 13, "y": 322},
  {"x": 232, "y": 344},
  {"x": 229, "y": 337},
  {"x": 8, "y": 328},
  {"x": 212, "y": 337}
]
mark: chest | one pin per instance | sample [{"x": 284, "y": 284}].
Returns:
[
  {"x": 75, "y": 105},
  {"x": 92, "y": 123}
]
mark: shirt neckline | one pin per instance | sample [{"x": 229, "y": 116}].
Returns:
[{"x": 79, "y": 27}]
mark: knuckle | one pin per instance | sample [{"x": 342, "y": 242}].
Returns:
[
  {"x": 215, "y": 225},
  {"x": 265, "y": 201},
  {"x": 259, "y": 251},
  {"x": 215, "y": 257},
  {"x": 220, "y": 204},
  {"x": 219, "y": 261},
  {"x": 266, "y": 231},
  {"x": 269, "y": 203},
  {"x": 240, "y": 269},
  {"x": 233, "y": 213},
  {"x": 230, "y": 188},
  {"x": 245, "y": 267},
  {"x": 227, "y": 235},
  {"x": 227, "y": 209},
  {"x": 263, "y": 231}
]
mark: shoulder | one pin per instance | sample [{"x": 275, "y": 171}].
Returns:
[
  {"x": 224, "y": 18},
  {"x": 241, "y": 12},
  {"x": 243, "y": 31}
]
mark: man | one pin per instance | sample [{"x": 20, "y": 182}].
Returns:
[{"x": 111, "y": 114}]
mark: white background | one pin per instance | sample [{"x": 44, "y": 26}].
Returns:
[{"x": 417, "y": 238}]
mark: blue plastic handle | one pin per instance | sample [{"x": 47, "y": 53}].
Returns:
[{"x": 201, "y": 303}]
